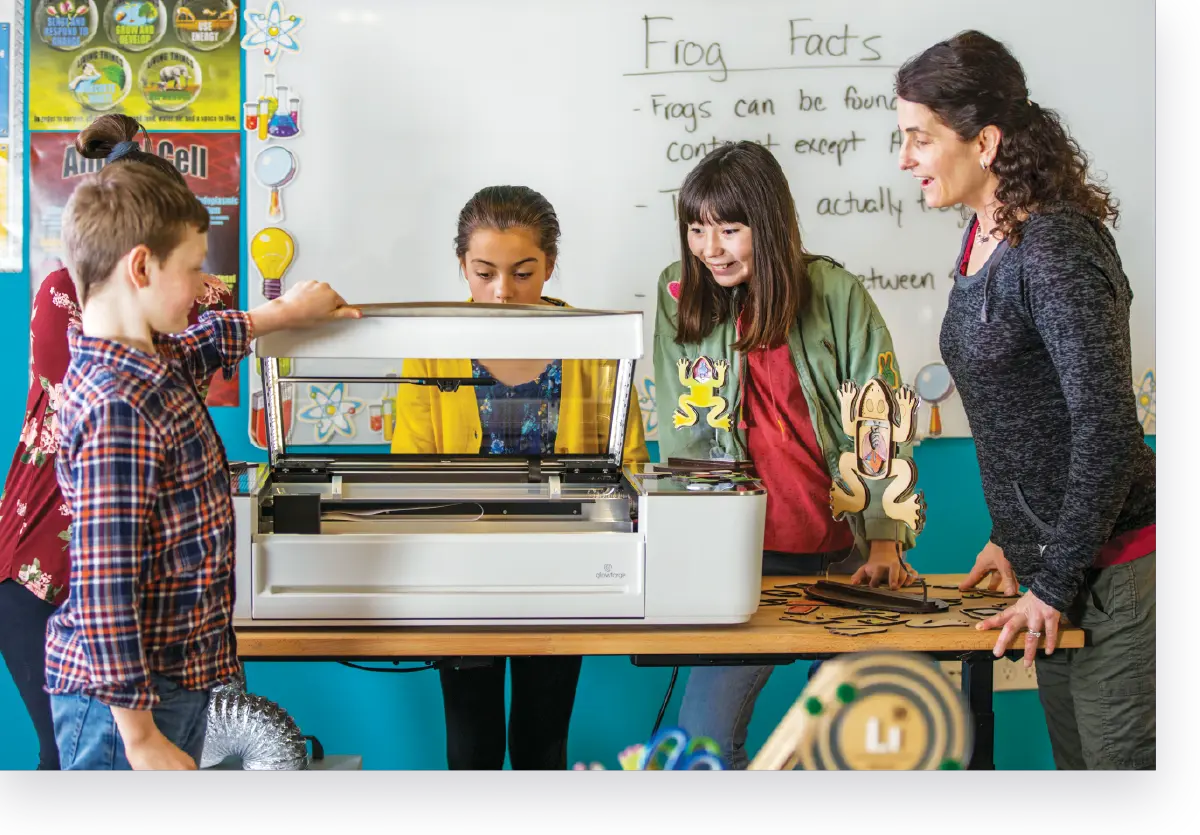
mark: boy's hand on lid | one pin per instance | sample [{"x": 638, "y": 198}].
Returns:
[{"x": 306, "y": 304}]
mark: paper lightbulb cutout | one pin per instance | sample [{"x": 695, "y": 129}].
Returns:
[{"x": 272, "y": 250}]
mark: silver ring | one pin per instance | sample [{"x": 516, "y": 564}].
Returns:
[{"x": 1035, "y": 634}]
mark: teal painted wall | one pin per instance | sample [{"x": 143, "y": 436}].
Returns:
[{"x": 395, "y": 721}]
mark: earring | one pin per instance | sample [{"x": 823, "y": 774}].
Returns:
[{"x": 983, "y": 164}]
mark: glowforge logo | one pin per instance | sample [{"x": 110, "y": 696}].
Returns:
[{"x": 609, "y": 574}]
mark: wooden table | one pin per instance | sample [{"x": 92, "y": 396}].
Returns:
[{"x": 766, "y": 638}]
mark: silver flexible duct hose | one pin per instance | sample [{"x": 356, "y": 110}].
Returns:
[{"x": 253, "y": 728}]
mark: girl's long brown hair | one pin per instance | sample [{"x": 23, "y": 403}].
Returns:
[{"x": 743, "y": 183}]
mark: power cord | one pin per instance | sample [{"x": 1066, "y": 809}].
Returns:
[
  {"x": 385, "y": 669},
  {"x": 666, "y": 700}
]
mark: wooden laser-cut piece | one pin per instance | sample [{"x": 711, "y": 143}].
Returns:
[
  {"x": 851, "y": 619},
  {"x": 879, "y": 421},
  {"x": 981, "y": 612},
  {"x": 864, "y": 597},
  {"x": 935, "y": 623},
  {"x": 873, "y": 711},
  {"x": 849, "y": 631}
]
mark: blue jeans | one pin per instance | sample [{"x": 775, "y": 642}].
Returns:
[
  {"x": 87, "y": 734},
  {"x": 719, "y": 701}
]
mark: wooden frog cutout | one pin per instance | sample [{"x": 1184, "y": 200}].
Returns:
[
  {"x": 702, "y": 377},
  {"x": 878, "y": 421}
]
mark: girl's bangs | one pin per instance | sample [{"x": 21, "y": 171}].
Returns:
[{"x": 712, "y": 199}]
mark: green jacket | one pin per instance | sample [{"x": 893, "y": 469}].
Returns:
[{"x": 839, "y": 336}]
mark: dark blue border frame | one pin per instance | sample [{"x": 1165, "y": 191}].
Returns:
[{"x": 743, "y": 800}]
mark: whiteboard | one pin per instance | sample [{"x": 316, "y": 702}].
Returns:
[{"x": 407, "y": 107}]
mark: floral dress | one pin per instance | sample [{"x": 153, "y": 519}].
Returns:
[
  {"x": 35, "y": 522},
  {"x": 520, "y": 419}
]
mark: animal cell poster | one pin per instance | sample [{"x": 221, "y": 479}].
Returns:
[
  {"x": 210, "y": 163},
  {"x": 171, "y": 65}
]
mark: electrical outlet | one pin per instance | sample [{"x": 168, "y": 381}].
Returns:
[
  {"x": 1006, "y": 675},
  {"x": 1013, "y": 675},
  {"x": 952, "y": 671}
]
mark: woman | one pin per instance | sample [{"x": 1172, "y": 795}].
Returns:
[
  {"x": 507, "y": 244},
  {"x": 34, "y": 519},
  {"x": 790, "y": 329},
  {"x": 1039, "y": 316}
]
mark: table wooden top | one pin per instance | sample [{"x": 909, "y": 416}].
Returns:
[{"x": 767, "y": 633}]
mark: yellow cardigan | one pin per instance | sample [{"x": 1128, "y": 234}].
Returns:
[{"x": 430, "y": 421}]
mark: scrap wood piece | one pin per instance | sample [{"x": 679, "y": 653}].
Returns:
[
  {"x": 819, "y": 619},
  {"x": 877, "y": 620},
  {"x": 981, "y": 612},
  {"x": 864, "y": 618},
  {"x": 802, "y": 610},
  {"x": 935, "y": 623},
  {"x": 980, "y": 594},
  {"x": 784, "y": 593},
  {"x": 853, "y": 631}
]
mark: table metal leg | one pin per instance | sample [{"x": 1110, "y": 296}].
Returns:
[{"x": 977, "y": 687}]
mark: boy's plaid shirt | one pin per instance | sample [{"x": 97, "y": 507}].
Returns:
[{"x": 152, "y": 541}]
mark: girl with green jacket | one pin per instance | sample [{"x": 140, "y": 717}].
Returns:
[{"x": 776, "y": 331}]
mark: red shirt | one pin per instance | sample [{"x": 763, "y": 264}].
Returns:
[
  {"x": 783, "y": 445},
  {"x": 35, "y": 522}
]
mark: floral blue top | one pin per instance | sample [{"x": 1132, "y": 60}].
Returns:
[{"x": 520, "y": 419}]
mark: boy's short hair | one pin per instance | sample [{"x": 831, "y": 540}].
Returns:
[{"x": 121, "y": 207}]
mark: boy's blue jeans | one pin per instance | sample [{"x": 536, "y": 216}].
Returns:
[{"x": 87, "y": 734}]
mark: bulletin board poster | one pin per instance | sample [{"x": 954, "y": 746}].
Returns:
[
  {"x": 211, "y": 164},
  {"x": 171, "y": 66},
  {"x": 9, "y": 233},
  {"x": 5, "y": 243},
  {"x": 5, "y": 78}
]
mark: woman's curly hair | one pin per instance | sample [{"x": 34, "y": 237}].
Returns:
[{"x": 971, "y": 81}]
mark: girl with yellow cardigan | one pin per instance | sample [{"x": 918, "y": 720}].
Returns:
[{"x": 507, "y": 244}]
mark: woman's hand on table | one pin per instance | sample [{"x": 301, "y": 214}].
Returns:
[{"x": 1028, "y": 613}]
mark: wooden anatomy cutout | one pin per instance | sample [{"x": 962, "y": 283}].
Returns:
[{"x": 878, "y": 421}]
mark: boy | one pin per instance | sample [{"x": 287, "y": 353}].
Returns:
[{"x": 146, "y": 630}]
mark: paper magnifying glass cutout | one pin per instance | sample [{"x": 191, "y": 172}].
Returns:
[{"x": 934, "y": 386}]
